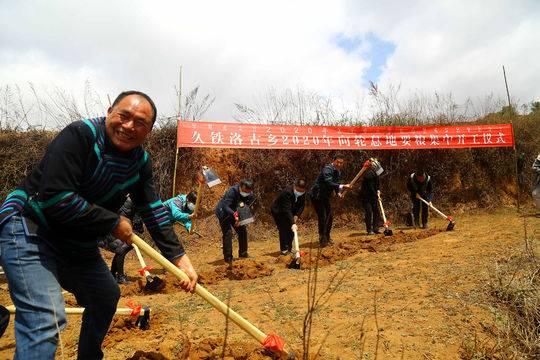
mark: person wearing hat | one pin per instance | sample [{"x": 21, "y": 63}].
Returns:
[
  {"x": 536, "y": 182},
  {"x": 181, "y": 208},
  {"x": 286, "y": 209},
  {"x": 419, "y": 185},
  {"x": 227, "y": 213}
]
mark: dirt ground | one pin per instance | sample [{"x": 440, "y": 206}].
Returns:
[{"x": 415, "y": 295}]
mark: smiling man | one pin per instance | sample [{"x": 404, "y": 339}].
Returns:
[{"x": 50, "y": 226}]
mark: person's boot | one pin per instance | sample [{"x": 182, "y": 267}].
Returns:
[
  {"x": 229, "y": 263},
  {"x": 122, "y": 279},
  {"x": 425, "y": 226}
]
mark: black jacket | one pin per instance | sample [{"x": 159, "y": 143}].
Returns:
[
  {"x": 327, "y": 181},
  {"x": 228, "y": 204},
  {"x": 370, "y": 185},
  {"x": 424, "y": 189},
  {"x": 286, "y": 204}
]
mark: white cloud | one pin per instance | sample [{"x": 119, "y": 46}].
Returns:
[{"x": 237, "y": 49}]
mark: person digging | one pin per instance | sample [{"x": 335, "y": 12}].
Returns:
[
  {"x": 227, "y": 215},
  {"x": 369, "y": 195},
  {"x": 419, "y": 185},
  {"x": 286, "y": 209},
  {"x": 181, "y": 208},
  {"x": 50, "y": 226}
]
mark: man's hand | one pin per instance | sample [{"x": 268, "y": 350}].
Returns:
[
  {"x": 340, "y": 195},
  {"x": 378, "y": 193},
  {"x": 123, "y": 230},
  {"x": 295, "y": 218},
  {"x": 236, "y": 223},
  {"x": 294, "y": 227},
  {"x": 418, "y": 196},
  {"x": 347, "y": 186},
  {"x": 184, "y": 264},
  {"x": 192, "y": 216}
]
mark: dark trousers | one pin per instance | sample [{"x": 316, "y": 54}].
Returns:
[
  {"x": 117, "y": 265},
  {"x": 371, "y": 214},
  {"x": 227, "y": 226},
  {"x": 325, "y": 217},
  {"x": 285, "y": 233},
  {"x": 420, "y": 208}
]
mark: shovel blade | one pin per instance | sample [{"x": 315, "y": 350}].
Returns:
[
  {"x": 295, "y": 262},
  {"x": 154, "y": 284},
  {"x": 450, "y": 226},
  {"x": 388, "y": 232},
  {"x": 4, "y": 319}
]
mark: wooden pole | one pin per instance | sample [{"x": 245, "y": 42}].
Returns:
[
  {"x": 178, "y": 118},
  {"x": 201, "y": 291},
  {"x": 507, "y": 92}
]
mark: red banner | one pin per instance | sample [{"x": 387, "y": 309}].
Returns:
[{"x": 256, "y": 136}]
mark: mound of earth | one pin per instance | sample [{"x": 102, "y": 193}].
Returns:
[
  {"x": 315, "y": 257},
  {"x": 242, "y": 269}
]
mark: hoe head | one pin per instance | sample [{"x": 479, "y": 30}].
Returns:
[
  {"x": 451, "y": 224},
  {"x": 143, "y": 320},
  {"x": 4, "y": 319},
  {"x": 154, "y": 284},
  {"x": 210, "y": 177},
  {"x": 295, "y": 263}
]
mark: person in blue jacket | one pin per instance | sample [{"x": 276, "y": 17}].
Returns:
[{"x": 181, "y": 208}]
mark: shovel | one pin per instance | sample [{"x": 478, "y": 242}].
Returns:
[
  {"x": 153, "y": 283},
  {"x": 270, "y": 342},
  {"x": 451, "y": 222},
  {"x": 386, "y": 224},
  {"x": 211, "y": 179},
  {"x": 295, "y": 263}
]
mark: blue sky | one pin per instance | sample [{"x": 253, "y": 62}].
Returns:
[{"x": 370, "y": 47}]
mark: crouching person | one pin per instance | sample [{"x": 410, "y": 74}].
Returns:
[
  {"x": 181, "y": 208},
  {"x": 50, "y": 225}
]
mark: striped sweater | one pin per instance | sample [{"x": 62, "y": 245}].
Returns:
[{"x": 72, "y": 197}]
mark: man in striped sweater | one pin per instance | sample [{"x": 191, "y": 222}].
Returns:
[{"x": 50, "y": 225}]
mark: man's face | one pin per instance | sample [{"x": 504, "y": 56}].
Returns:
[
  {"x": 338, "y": 163},
  {"x": 129, "y": 122}
]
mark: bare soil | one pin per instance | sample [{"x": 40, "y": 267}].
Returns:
[{"x": 414, "y": 295}]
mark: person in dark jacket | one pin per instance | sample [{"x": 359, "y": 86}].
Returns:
[
  {"x": 419, "y": 185},
  {"x": 369, "y": 193},
  {"x": 120, "y": 248},
  {"x": 286, "y": 209},
  {"x": 536, "y": 182},
  {"x": 327, "y": 183},
  {"x": 50, "y": 226},
  {"x": 227, "y": 214}
]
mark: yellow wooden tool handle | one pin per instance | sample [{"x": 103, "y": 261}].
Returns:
[
  {"x": 382, "y": 210},
  {"x": 201, "y": 291},
  {"x": 295, "y": 242},
  {"x": 79, "y": 310},
  {"x": 141, "y": 260},
  {"x": 360, "y": 173}
]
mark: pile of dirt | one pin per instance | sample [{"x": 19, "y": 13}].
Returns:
[
  {"x": 210, "y": 348},
  {"x": 313, "y": 257},
  {"x": 242, "y": 269}
]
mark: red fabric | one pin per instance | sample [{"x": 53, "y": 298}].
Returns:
[
  {"x": 274, "y": 343},
  {"x": 387, "y": 223},
  {"x": 449, "y": 218},
  {"x": 254, "y": 136},
  {"x": 146, "y": 268},
  {"x": 302, "y": 253},
  {"x": 367, "y": 164},
  {"x": 136, "y": 309}
]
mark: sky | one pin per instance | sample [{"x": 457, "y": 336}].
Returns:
[{"x": 236, "y": 50}]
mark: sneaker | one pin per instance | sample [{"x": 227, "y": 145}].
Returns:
[
  {"x": 122, "y": 279},
  {"x": 284, "y": 252},
  {"x": 425, "y": 226},
  {"x": 245, "y": 256},
  {"x": 376, "y": 231},
  {"x": 370, "y": 232}
]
